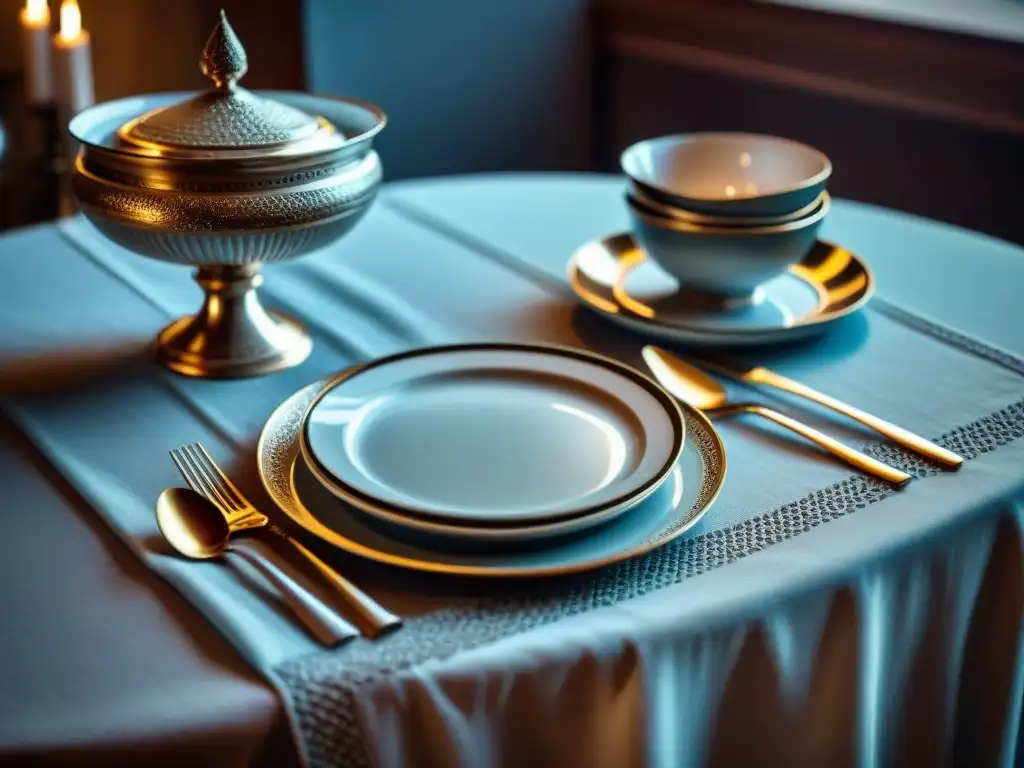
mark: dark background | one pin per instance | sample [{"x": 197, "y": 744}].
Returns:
[{"x": 922, "y": 119}]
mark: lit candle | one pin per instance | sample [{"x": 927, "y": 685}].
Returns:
[
  {"x": 35, "y": 32},
  {"x": 72, "y": 62}
]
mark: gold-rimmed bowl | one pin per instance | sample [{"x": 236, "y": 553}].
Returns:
[
  {"x": 728, "y": 174},
  {"x": 727, "y": 263},
  {"x": 708, "y": 220}
]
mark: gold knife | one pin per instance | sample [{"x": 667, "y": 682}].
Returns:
[{"x": 766, "y": 377}]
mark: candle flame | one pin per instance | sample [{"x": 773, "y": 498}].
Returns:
[
  {"x": 36, "y": 12},
  {"x": 70, "y": 20}
]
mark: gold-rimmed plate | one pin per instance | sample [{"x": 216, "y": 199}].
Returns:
[
  {"x": 492, "y": 435},
  {"x": 614, "y": 277},
  {"x": 674, "y": 507}
]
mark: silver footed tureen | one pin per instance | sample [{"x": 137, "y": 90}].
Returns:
[{"x": 225, "y": 181}]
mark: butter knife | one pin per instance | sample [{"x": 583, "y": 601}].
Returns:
[{"x": 766, "y": 377}]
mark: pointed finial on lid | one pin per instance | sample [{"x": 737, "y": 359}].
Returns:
[{"x": 224, "y": 60}]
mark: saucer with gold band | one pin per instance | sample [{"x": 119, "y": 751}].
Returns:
[{"x": 615, "y": 278}]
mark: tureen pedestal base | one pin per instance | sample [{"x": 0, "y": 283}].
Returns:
[{"x": 233, "y": 335}]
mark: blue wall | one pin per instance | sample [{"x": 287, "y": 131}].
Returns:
[{"x": 468, "y": 85}]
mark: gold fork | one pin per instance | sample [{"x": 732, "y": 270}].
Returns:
[{"x": 202, "y": 475}]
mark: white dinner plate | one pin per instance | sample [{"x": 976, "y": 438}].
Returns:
[
  {"x": 674, "y": 507},
  {"x": 492, "y": 435}
]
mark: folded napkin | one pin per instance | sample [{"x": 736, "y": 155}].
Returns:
[{"x": 106, "y": 416}]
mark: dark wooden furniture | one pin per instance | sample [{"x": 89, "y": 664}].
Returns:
[
  {"x": 918, "y": 119},
  {"x": 29, "y": 181}
]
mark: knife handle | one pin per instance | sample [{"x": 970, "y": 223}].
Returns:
[
  {"x": 326, "y": 626},
  {"x": 846, "y": 453},
  {"x": 372, "y": 617},
  {"x": 897, "y": 434}
]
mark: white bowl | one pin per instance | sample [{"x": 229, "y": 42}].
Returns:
[
  {"x": 727, "y": 263},
  {"x": 728, "y": 174},
  {"x": 708, "y": 220}
]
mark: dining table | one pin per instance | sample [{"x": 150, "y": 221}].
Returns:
[{"x": 813, "y": 616}]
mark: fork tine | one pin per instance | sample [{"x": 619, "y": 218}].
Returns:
[
  {"x": 225, "y": 480},
  {"x": 215, "y": 492},
  {"x": 202, "y": 484},
  {"x": 192, "y": 477},
  {"x": 209, "y": 470},
  {"x": 185, "y": 470}
]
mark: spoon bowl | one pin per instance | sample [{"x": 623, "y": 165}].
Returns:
[
  {"x": 689, "y": 383},
  {"x": 191, "y": 524}
]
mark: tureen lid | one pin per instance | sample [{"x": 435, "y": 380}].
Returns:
[{"x": 228, "y": 117}]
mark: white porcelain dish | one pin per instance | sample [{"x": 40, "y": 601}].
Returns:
[
  {"x": 727, "y": 263},
  {"x": 492, "y": 435},
  {"x": 728, "y": 174}
]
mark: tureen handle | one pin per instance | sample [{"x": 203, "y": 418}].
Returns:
[{"x": 224, "y": 60}]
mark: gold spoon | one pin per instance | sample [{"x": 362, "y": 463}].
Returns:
[
  {"x": 693, "y": 386},
  {"x": 197, "y": 529}
]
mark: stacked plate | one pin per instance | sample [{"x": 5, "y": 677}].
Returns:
[{"x": 493, "y": 459}]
